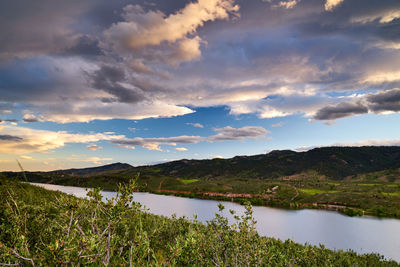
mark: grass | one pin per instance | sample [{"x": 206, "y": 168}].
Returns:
[
  {"x": 188, "y": 181},
  {"x": 314, "y": 191}
]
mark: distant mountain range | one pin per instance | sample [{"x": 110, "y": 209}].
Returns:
[
  {"x": 95, "y": 170},
  {"x": 331, "y": 162}
]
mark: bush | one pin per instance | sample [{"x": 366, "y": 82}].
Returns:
[{"x": 50, "y": 228}]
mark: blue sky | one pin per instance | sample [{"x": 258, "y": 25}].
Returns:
[{"x": 143, "y": 82}]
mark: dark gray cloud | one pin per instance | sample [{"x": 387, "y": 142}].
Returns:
[
  {"x": 109, "y": 78},
  {"x": 388, "y": 100},
  {"x": 30, "y": 28},
  {"x": 30, "y": 120},
  {"x": 385, "y": 101},
  {"x": 229, "y": 133},
  {"x": 340, "y": 110},
  {"x": 10, "y": 138},
  {"x": 86, "y": 46}
]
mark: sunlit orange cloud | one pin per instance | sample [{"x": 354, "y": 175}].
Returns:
[{"x": 23, "y": 140}]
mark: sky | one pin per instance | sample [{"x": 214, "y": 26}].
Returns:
[{"x": 87, "y": 83}]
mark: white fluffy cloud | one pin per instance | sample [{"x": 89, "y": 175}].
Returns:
[
  {"x": 141, "y": 29},
  {"x": 151, "y": 28}
]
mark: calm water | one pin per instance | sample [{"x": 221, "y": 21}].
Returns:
[{"x": 314, "y": 227}]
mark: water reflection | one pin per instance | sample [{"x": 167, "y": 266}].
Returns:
[{"x": 314, "y": 227}]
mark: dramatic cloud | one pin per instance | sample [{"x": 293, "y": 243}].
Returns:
[
  {"x": 110, "y": 80},
  {"x": 110, "y": 60},
  {"x": 151, "y": 28},
  {"x": 181, "y": 149},
  {"x": 385, "y": 101},
  {"x": 224, "y": 134}
]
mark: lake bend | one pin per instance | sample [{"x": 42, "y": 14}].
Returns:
[{"x": 333, "y": 230}]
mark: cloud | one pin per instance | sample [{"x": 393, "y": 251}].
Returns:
[
  {"x": 286, "y": 4},
  {"x": 269, "y": 62},
  {"x": 151, "y": 28},
  {"x": 125, "y": 146},
  {"x": 384, "y": 16},
  {"x": 154, "y": 143},
  {"x": 94, "y": 147},
  {"x": 181, "y": 149},
  {"x": 168, "y": 39},
  {"x": 279, "y": 124},
  {"x": 110, "y": 80},
  {"x": 93, "y": 160},
  {"x": 384, "y": 101},
  {"x": 197, "y": 125},
  {"x": 39, "y": 28},
  {"x": 30, "y": 118},
  {"x": 331, "y": 4},
  {"x": 229, "y": 133},
  {"x": 372, "y": 142},
  {"x": 21, "y": 140},
  {"x": 96, "y": 160},
  {"x": 381, "y": 102},
  {"x": 340, "y": 110},
  {"x": 224, "y": 134},
  {"x": 6, "y": 137}
]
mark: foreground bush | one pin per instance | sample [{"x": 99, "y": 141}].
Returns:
[{"x": 39, "y": 227}]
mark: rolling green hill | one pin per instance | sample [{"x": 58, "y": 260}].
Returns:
[{"x": 353, "y": 180}]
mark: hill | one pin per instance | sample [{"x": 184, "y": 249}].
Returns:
[
  {"x": 94, "y": 170},
  {"x": 332, "y": 162},
  {"x": 353, "y": 180}
]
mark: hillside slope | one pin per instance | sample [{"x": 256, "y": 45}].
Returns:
[{"x": 333, "y": 162}]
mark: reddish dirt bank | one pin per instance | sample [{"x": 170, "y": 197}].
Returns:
[{"x": 215, "y": 194}]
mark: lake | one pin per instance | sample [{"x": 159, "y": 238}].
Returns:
[{"x": 334, "y": 230}]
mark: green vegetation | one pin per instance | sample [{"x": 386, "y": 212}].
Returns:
[
  {"x": 39, "y": 227},
  {"x": 314, "y": 191},
  {"x": 189, "y": 181},
  {"x": 352, "y": 180}
]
